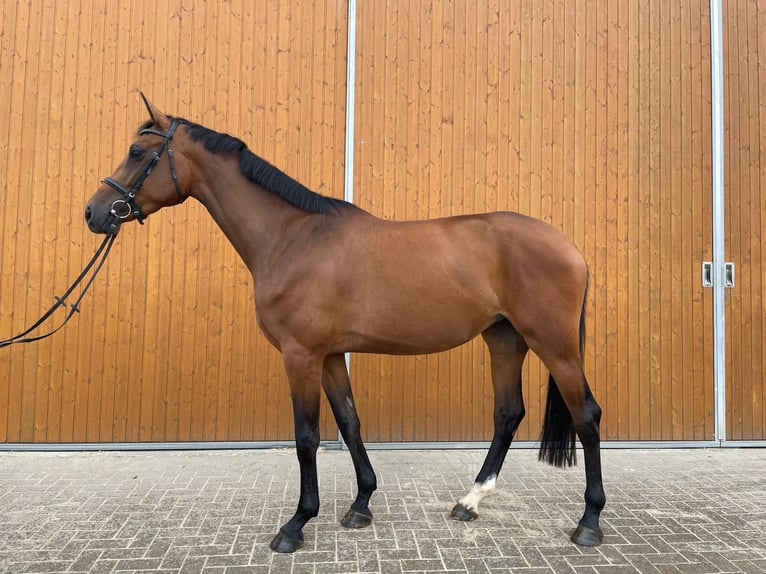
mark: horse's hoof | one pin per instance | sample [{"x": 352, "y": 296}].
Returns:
[
  {"x": 463, "y": 513},
  {"x": 286, "y": 543},
  {"x": 354, "y": 519},
  {"x": 585, "y": 536}
]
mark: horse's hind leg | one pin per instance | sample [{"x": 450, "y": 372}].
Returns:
[
  {"x": 571, "y": 407},
  {"x": 507, "y": 351},
  {"x": 338, "y": 390}
]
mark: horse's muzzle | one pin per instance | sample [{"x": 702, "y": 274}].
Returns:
[{"x": 107, "y": 224}]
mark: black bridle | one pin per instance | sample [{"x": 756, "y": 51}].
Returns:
[{"x": 122, "y": 208}]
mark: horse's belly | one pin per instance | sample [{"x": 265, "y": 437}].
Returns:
[{"x": 423, "y": 328}]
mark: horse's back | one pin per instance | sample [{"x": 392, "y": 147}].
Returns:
[{"x": 506, "y": 246}]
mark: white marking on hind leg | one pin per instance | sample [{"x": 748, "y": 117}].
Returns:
[{"x": 479, "y": 491}]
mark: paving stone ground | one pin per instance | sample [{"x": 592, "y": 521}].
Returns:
[{"x": 693, "y": 511}]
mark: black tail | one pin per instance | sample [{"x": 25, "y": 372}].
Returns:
[{"x": 557, "y": 440}]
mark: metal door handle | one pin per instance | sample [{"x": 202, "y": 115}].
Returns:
[{"x": 728, "y": 274}]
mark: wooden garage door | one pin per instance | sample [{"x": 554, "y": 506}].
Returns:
[
  {"x": 745, "y": 222},
  {"x": 594, "y": 116},
  {"x": 166, "y": 347}
]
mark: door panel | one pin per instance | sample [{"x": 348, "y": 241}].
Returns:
[
  {"x": 593, "y": 116},
  {"x": 745, "y": 223},
  {"x": 166, "y": 347}
]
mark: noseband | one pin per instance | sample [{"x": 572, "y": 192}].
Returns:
[{"x": 122, "y": 208}]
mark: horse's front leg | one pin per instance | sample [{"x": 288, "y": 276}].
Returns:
[
  {"x": 338, "y": 390},
  {"x": 305, "y": 374}
]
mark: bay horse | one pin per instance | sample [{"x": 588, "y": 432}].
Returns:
[{"x": 331, "y": 278}]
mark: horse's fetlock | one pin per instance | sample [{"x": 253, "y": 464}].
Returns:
[
  {"x": 309, "y": 510},
  {"x": 371, "y": 486},
  {"x": 595, "y": 498}
]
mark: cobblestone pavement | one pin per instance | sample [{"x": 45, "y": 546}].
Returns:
[{"x": 695, "y": 511}]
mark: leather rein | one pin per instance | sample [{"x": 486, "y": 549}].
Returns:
[
  {"x": 98, "y": 260},
  {"x": 122, "y": 209}
]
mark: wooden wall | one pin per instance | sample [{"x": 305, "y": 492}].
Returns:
[
  {"x": 593, "y": 115},
  {"x": 745, "y": 181},
  {"x": 166, "y": 347}
]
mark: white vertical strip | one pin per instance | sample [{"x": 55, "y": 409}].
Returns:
[
  {"x": 348, "y": 180},
  {"x": 348, "y": 183},
  {"x": 719, "y": 312}
]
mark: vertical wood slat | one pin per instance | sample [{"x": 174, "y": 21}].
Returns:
[
  {"x": 32, "y": 205},
  {"x": 757, "y": 21},
  {"x": 745, "y": 156},
  {"x": 166, "y": 347}
]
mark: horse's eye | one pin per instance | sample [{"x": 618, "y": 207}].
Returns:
[{"x": 136, "y": 153}]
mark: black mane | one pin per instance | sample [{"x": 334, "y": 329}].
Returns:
[{"x": 261, "y": 172}]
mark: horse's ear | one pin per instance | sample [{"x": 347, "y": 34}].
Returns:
[{"x": 155, "y": 114}]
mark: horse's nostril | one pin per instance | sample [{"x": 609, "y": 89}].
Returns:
[{"x": 88, "y": 213}]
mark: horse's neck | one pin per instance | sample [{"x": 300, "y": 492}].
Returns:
[{"x": 254, "y": 220}]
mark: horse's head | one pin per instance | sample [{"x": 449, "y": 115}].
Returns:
[{"x": 129, "y": 193}]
